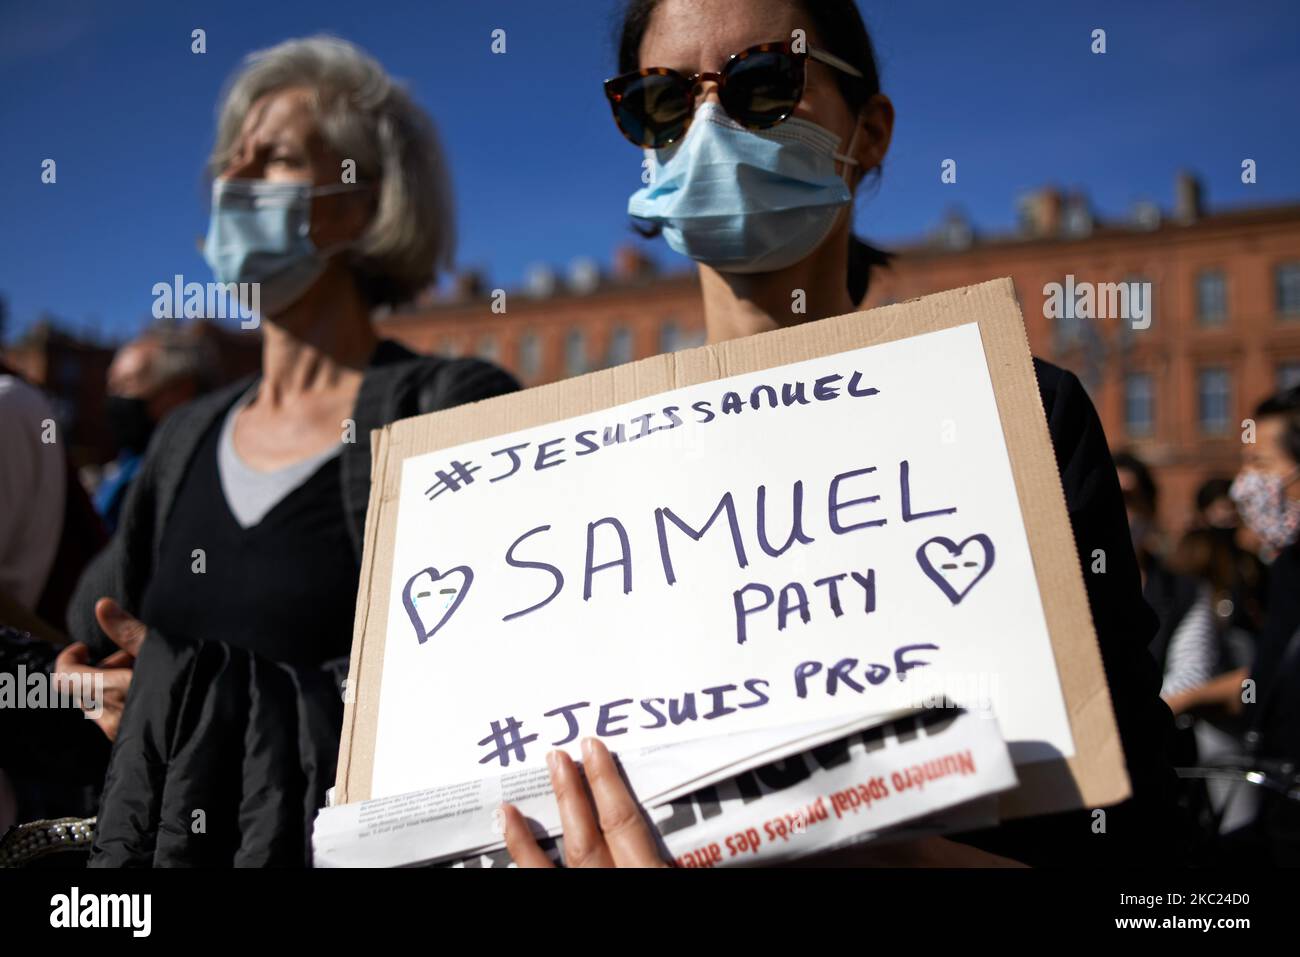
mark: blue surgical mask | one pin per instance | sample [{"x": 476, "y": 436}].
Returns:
[
  {"x": 745, "y": 201},
  {"x": 260, "y": 232}
]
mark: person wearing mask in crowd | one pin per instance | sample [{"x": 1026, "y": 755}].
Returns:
[
  {"x": 1185, "y": 645},
  {"x": 756, "y": 138},
  {"x": 231, "y": 581},
  {"x": 1267, "y": 495},
  {"x": 147, "y": 378}
]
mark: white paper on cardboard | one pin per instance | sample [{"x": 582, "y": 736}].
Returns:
[{"x": 819, "y": 540}]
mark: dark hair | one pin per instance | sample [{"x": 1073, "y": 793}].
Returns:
[
  {"x": 1129, "y": 462},
  {"x": 1285, "y": 404},
  {"x": 840, "y": 31},
  {"x": 1211, "y": 490}
]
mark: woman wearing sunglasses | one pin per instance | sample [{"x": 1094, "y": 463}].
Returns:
[{"x": 759, "y": 123}]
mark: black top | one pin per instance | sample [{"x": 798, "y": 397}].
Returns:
[
  {"x": 1171, "y": 596},
  {"x": 1277, "y": 662},
  {"x": 285, "y": 588},
  {"x": 1147, "y": 829}
]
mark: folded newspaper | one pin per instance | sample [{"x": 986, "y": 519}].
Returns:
[{"x": 800, "y": 792}]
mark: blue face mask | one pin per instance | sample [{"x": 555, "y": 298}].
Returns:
[
  {"x": 260, "y": 232},
  {"x": 745, "y": 201}
]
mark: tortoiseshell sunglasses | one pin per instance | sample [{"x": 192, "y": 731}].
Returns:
[{"x": 758, "y": 88}]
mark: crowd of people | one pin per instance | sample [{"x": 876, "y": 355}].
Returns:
[
  {"x": 208, "y": 577},
  {"x": 1224, "y": 593}
]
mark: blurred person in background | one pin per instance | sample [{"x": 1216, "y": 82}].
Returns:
[
  {"x": 1267, "y": 496},
  {"x": 48, "y": 529},
  {"x": 33, "y": 473},
  {"x": 1188, "y": 646},
  {"x": 1185, "y": 645},
  {"x": 231, "y": 581},
  {"x": 48, "y": 532},
  {"x": 1212, "y": 552},
  {"x": 1221, "y": 552},
  {"x": 148, "y": 378},
  {"x": 1214, "y": 505}
]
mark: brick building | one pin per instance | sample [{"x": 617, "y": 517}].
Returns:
[
  {"x": 557, "y": 326},
  {"x": 1224, "y": 329}
]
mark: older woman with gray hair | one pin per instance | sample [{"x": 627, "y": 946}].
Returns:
[{"x": 224, "y": 602}]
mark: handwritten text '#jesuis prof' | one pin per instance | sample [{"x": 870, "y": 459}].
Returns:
[{"x": 525, "y": 456}]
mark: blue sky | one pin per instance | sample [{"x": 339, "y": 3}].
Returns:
[{"x": 1010, "y": 90}]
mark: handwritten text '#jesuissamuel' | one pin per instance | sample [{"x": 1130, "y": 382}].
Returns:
[{"x": 516, "y": 459}]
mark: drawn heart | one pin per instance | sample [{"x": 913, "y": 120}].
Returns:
[
  {"x": 446, "y": 598},
  {"x": 951, "y": 567}
]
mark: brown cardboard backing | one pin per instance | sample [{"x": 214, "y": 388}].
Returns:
[{"x": 1094, "y": 777}]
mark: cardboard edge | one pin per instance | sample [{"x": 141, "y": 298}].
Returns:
[{"x": 379, "y": 445}]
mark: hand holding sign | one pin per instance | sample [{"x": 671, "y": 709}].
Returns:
[{"x": 617, "y": 835}]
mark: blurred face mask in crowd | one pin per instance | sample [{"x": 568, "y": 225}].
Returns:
[
  {"x": 129, "y": 422},
  {"x": 1266, "y": 508},
  {"x": 743, "y": 200},
  {"x": 260, "y": 232}
]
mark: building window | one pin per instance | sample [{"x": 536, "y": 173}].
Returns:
[
  {"x": 669, "y": 337},
  {"x": 620, "y": 347},
  {"x": 1141, "y": 297},
  {"x": 530, "y": 356},
  {"x": 1067, "y": 326},
  {"x": 1211, "y": 297},
  {"x": 1139, "y": 404},
  {"x": 487, "y": 349},
  {"x": 1287, "y": 284},
  {"x": 575, "y": 352},
  {"x": 1288, "y": 375},
  {"x": 693, "y": 340},
  {"x": 1214, "y": 400}
]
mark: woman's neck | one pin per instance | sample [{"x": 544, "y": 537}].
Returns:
[
  {"x": 323, "y": 341},
  {"x": 741, "y": 304}
]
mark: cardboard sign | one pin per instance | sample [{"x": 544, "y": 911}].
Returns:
[{"x": 811, "y": 523}]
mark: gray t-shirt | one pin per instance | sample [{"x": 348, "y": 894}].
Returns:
[{"x": 251, "y": 493}]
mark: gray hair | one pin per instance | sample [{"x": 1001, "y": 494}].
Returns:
[{"x": 366, "y": 117}]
